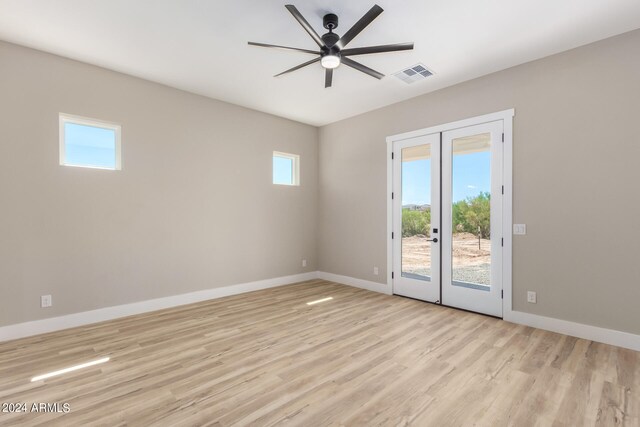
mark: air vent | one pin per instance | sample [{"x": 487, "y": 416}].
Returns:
[{"x": 413, "y": 74}]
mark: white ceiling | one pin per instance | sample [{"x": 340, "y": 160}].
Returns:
[{"x": 201, "y": 45}]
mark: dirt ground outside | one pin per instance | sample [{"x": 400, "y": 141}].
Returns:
[{"x": 470, "y": 263}]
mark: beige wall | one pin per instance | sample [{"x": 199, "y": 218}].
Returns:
[
  {"x": 576, "y": 178},
  {"x": 193, "y": 207}
]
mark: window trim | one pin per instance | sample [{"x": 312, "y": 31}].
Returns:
[
  {"x": 86, "y": 121},
  {"x": 295, "y": 173}
]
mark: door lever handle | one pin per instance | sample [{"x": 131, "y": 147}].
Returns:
[{"x": 434, "y": 240}]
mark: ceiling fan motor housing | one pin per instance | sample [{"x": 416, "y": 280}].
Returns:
[{"x": 330, "y": 39}]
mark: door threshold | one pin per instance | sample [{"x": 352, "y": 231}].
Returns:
[{"x": 448, "y": 306}]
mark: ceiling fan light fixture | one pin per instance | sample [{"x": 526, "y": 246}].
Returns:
[{"x": 330, "y": 61}]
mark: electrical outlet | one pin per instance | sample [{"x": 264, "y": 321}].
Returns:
[
  {"x": 45, "y": 301},
  {"x": 532, "y": 297},
  {"x": 520, "y": 229},
  {"x": 304, "y": 262},
  {"x": 375, "y": 270}
]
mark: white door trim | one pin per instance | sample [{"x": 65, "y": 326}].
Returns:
[{"x": 507, "y": 207}]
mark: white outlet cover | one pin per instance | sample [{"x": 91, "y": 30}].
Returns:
[
  {"x": 304, "y": 262},
  {"x": 45, "y": 301},
  {"x": 532, "y": 297},
  {"x": 375, "y": 270},
  {"x": 520, "y": 229}
]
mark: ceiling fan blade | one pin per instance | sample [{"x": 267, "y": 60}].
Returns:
[
  {"x": 358, "y": 66},
  {"x": 284, "y": 47},
  {"x": 359, "y": 26},
  {"x": 297, "y": 67},
  {"x": 377, "y": 49},
  {"x": 328, "y": 77},
  {"x": 296, "y": 14}
]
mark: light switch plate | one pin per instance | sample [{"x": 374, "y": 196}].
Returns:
[{"x": 520, "y": 229}]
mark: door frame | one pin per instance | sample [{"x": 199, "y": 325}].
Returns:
[{"x": 507, "y": 202}]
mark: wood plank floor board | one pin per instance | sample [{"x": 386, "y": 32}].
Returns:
[{"x": 361, "y": 359}]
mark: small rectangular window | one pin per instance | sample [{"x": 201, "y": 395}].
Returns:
[
  {"x": 89, "y": 143},
  {"x": 286, "y": 168}
]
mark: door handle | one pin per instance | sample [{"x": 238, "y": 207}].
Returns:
[{"x": 434, "y": 240}]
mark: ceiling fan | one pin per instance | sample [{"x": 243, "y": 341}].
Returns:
[{"x": 332, "y": 51}]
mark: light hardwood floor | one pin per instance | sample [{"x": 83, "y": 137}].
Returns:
[{"x": 361, "y": 359}]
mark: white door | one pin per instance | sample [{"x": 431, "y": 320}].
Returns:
[
  {"x": 472, "y": 172},
  {"x": 447, "y": 218},
  {"x": 416, "y": 207}
]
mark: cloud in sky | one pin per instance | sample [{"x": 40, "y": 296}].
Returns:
[{"x": 471, "y": 186}]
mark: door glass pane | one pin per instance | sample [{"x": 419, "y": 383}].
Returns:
[
  {"x": 471, "y": 186},
  {"x": 416, "y": 212}
]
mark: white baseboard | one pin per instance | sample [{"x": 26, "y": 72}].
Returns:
[
  {"x": 36, "y": 327},
  {"x": 579, "y": 330},
  {"x": 358, "y": 283},
  {"x": 26, "y": 329}
]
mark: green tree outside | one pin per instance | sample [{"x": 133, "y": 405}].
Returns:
[
  {"x": 473, "y": 213},
  {"x": 468, "y": 215},
  {"x": 416, "y": 222}
]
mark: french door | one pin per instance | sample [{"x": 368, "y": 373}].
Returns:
[
  {"x": 447, "y": 217},
  {"x": 416, "y": 207}
]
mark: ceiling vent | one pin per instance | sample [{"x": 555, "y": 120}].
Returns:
[{"x": 413, "y": 74}]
